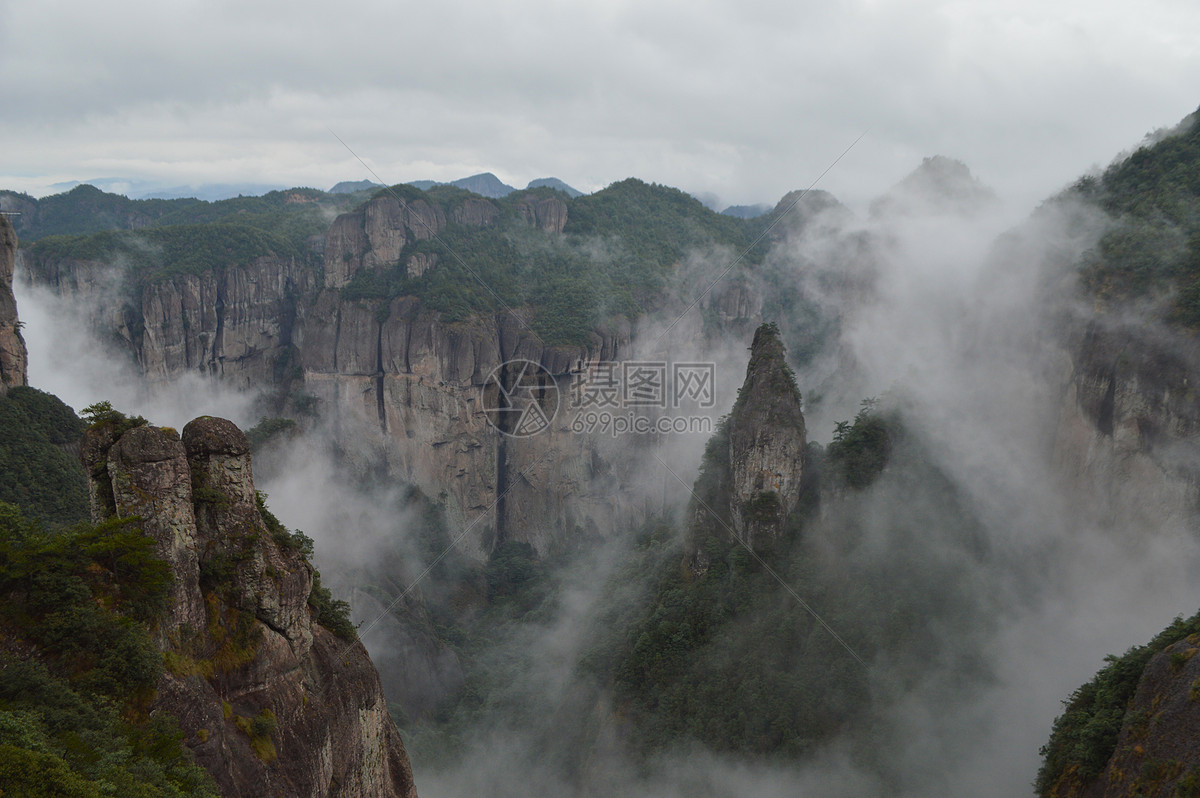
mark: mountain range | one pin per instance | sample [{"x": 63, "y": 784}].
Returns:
[{"x": 938, "y": 459}]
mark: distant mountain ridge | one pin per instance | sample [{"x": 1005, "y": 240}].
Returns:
[
  {"x": 351, "y": 186},
  {"x": 488, "y": 185},
  {"x": 554, "y": 183},
  {"x": 151, "y": 189}
]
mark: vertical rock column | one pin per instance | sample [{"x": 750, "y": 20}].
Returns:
[
  {"x": 149, "y": 474},
  {"x": 766, "y": 443},
  {"x": 271, "y": 582},
  {"x": 13, "y": 358}
]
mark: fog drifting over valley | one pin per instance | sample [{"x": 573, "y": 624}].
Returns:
[{"x": 952, "y": 322}]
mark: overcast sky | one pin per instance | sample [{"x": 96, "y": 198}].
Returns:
[{"x": 744, "y": 100}]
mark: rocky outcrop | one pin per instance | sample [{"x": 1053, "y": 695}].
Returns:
[
  {"x": 1157, "y": 751},
  {"x": 766, "y": 442},
  {"x": 420, "y": 262},
  {"x": 13, "y": 358},
  {"x": 1130, "y": 422},
  {"x": 235, "y": 324},
  {"x": 545, "y": 213},
  {"x": 475, "y": 212},
  {"x": 397, "y": 378},
  {"x": 1132, "y": 730},
  {"x": 753, "y": 475},
  {"x": 144, "y": 472},
  {"x": 271, "y": 702},
  {"x": 374, "y": 236}
]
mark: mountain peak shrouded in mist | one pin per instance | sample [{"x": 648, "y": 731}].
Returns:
[
  {"x": 938, "y": 185},
  {"x": 922, "y": 534},
  {"x": 806, "y": 202}
]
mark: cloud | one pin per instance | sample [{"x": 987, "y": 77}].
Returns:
[
  {"x": 951, "y": 327},
  {"x": 746, "y": 100}
]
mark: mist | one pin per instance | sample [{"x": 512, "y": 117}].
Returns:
[
  {"x": 67, "y": 360},
  {"x": 962, "y": 334},
  {"x": 952, "y": 317}
]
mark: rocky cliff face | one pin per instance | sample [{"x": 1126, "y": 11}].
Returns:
[
  {"x": 758, "y": 469},
  {"x": 1130, "y": 423},
  {"x": 1157, "y": 752},
  {"x": 236, "y": 324},
  {"x": 271, "y": 702},
  {"x": 375, "y": 235},
  {"x": 766, "y": 443},
  {"x": 400, "y": 386},
  {"x": 548, "y": 213},
  {"x": 1132, "y": 730},
  {"x": 13, "y": 359},
  {"x": 409, "y": 387}
]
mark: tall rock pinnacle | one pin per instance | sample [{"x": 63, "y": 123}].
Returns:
[{"x": 766, "y": 442}]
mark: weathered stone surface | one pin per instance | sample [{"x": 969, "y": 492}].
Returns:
[
  {"x": 423, "y": 220},
  {"x": 421, "y": 407},
  {"x": 242, "y": 639},
  {"x": 235, "y": 326},
  {"x": 734, "y": 302},
  {"x": 93, "y": 451},
  {"x": 546, "y": 213},
  {"x": 400, "y": 385},
  {"x": 13, "y": 357},
  {"x": 420, "y": 262},
  {"x": 275, "y": 583},
  {"x": 374, "y": 237},
  {"x": 1158, "y": 746},
  {"x": 345, "y": 245},
  {"x": 383, "y": 223},
  {"x": 1129, "y": 423},
  {"x": 766, "y": 442},
  {"x": 145, "y": 473},
  {"x": 475, "y": 212}
]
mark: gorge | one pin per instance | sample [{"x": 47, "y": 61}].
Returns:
[{"x": 960, "y": 469}]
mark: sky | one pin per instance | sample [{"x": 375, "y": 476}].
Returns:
[{"x": 743, "y": 101}]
